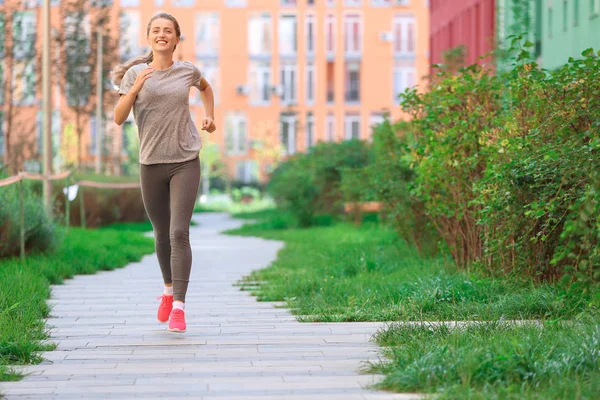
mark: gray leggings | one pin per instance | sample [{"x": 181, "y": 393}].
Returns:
[{"x": 169, "y": 194}]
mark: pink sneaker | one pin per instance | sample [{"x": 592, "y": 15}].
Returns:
[
  {"x": 177, "y": 321},
  {"x": 165, "y": 307}
]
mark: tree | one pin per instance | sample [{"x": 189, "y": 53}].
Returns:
[{"x": 78, "y": 41}]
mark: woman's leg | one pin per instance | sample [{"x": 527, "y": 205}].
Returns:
[
  {"x": 156, "y": 198},
  {"x": 185, "y": 179}
]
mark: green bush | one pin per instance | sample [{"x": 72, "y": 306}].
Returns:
[
  {"x": 307, "y": 185},
  {"x": 41, "y": 234}
]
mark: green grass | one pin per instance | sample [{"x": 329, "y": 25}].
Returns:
[
  {"x": 25, "y": 286},
  {"x": 343, "y": 273},
  {"x": 236, "y": 208},
  {"x": 135, "y": 226},
  {"x": 493, "y": 361}
]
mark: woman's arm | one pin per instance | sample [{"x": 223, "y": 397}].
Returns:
[
  {"x": 208, "y": 99},
  {"x": 123, "y": 107}
]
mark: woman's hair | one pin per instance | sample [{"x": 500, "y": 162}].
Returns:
[{"x": 118, "y": 71}]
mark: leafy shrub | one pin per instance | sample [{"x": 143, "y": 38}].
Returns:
[
  {"x": 309, "y": 184},
  {"x": 41, "y": 234}
]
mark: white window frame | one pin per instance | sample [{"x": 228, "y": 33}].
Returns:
[
  {"x": 310, "y": 25},
  {"x": 290, "y": 90},
  {"x": 349, "y": 20},
  {"x": 256, "y": 24},
  {"x": 129, "y": 3},
  {"x": 28, "y": 35},
  {"x": 407, "y": 75},
  {"x": 309, "y": 132},
  {"x": 403, "y": 23},
  {"x": 256, "y": 72},
  {"x": 349, "y": 119},
  {"x": 130, "y": 36},
  {"x": 381, "y": 3},
  {"x": 353, "y": 3},
  {"x": 289, "y": 3},
  {"x": 282, "y": 40},
  {"x": 28, "y": 97},
  {"x": 347, "y": 81},
  {"x": 330, "y": 20},
  {"x": 310, "y": 86},
  {"x": 208, "y": 23},
  {"x": 330, "y": 128},
  {"x": 292, "y": 120},
  {"x": 212, "y": 74},
  {"x": 183, "y": 3},
  {"x": 239, "y": 138}
]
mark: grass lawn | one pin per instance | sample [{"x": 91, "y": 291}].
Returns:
[
  {"x": 25, "y": 286},
  {"x": 344, "y": 273}
]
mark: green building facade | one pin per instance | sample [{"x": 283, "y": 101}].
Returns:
[{"x": 559, "y": 28}]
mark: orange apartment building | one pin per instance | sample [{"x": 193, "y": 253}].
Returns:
[{"x": 287, "y": 73}]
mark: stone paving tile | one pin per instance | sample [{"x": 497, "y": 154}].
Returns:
[{"x": 110, "y": 346}]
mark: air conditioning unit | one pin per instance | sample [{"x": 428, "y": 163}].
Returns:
[
  {"x": 242, "y": 89},
  {"x": 386, "y": 36},
  {"x": 277, "y": 90}
]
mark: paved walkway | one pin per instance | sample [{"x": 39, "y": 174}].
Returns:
[{"x": 110, "y": 345}]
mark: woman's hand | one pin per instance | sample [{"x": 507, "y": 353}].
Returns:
[
  {"x": 142, "y": 77},
  {"x": 208, "y": 125}
]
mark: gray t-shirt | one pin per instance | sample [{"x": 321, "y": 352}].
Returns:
[{"x": 162, "y": 114}]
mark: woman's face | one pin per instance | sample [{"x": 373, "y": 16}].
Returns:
[{"x": 162, "y": 36}]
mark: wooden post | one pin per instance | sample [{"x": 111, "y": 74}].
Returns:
[
  {"x": 67, "y": 205},
  {"x": 22, "y": 211},
  {"x": 81, "y": 207}
]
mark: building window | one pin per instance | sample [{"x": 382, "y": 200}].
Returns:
[
  {"x": 129, "y": 3},
  {"x": 330, "y": 87},
  {"x": 247, "y": 171},
  {"x": 575, "y": 12},
  {"x": 210, "y": 72},
  {"x": 352, "y": 34},
  {"x": 595, "y": 7},
  {"x": 310, "y": 2},
  {"x": 565, "y": 18},
  {"x": 310, "y": 83},
  {"x": 2, "y": 32},
  {"x": 159, "y": 3},
  {"x": 2, "y": 87},
  {"x": 129, "y": 42},
  {"x": 330, "y": 35},
  {"x": 310, "y": 130},
  {"x": 236, "y": 133},
  {"x": 550, "y": 21},
  {"x": 352, "y": 126},
  {"x": 352, "y": 3},
  {"x": 404, "y": 36},
  {"x": 23, "y": 86},
  {"x": 78, "y": 85},
  {"x": 260, "y": 83},
  {"x": 24, "y": 34},
  {"x": 259, "y": 35},
  {"x": 404, "y": 78},
  {"x": 330, "y": 127},
  {"x": 2, "y": 141},
  {"x": 183, "y": 3},
  {"x": 352, "y": 81},
  {"x": 207, "y": 35},
  {"x": 375, "y": 119},
  {"x": 289, "y": 2},
  {"x": 288, "y": 133},
  {"x": 310, "y": 34},
  {"x": 288, "y": 43},
  {"x": 330, "y": 3},
  {"x": 289, "y": 82},
  {"x": 381, "y": 3}
]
